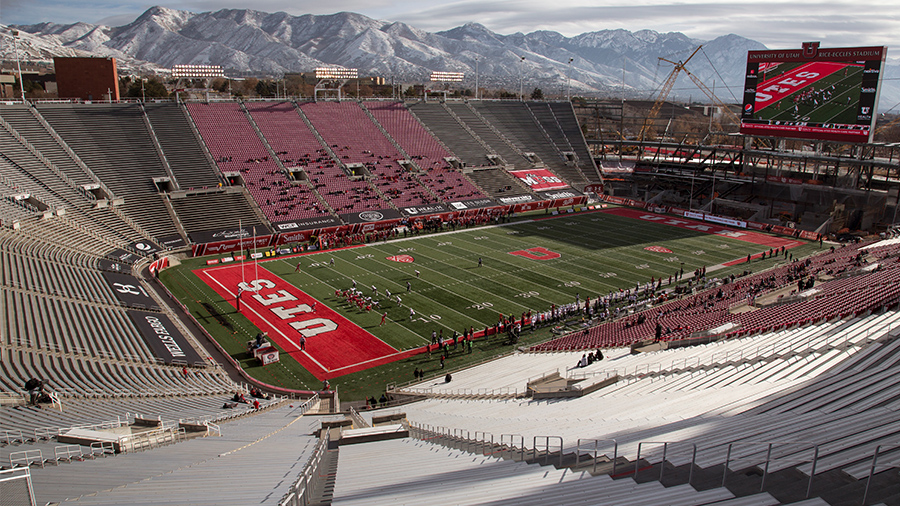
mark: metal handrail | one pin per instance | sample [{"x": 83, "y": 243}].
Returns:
[
  {"x": 67, "y": 452},
  {"x": 358, "y": 420},
  {"x": 512, "y": 443},
  {"x": 662, "y": 465},
  {"x": 481, "y": 442},
  {"x": 872, "y": 469},
  {"x": 596, "y": 441},
  {"x": 546, "y": 440},
  {"x": 769, "y": 445},
  {"x": 26, "y": 458}
]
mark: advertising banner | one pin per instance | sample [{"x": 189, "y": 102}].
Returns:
[
  {"x": 370, "y": 216},
  {"x": 129, "y": 291},
  {"x": 539, "y": 179},
  {"x": 424, "y": 210},
  {"x": 307, "y": 224},
  {"x": 463, "y": 205},
  {"x": 164, "y": 338}
]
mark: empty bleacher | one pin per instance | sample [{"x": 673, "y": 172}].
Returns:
[
  {"x": 364, "y": 143},
  {"x": 830, "y": 384},
  {"x": 183, "y": 150},
  {"x": 515, "y": 121},
  {"x": 429, "y": 473},
  {"x": 215, "y": 211},
  {"x": 113, "y": 141},
  {"x": 451, "y": 133},
  {"x": 255, "y": 460},
  {"x": 487, "y": 133},
  {"x": 26, "y": 170},
  {"x": 424, "y": 151},
  {"x": 23, "y": 120},
  {"x": 498, "y": 183}
]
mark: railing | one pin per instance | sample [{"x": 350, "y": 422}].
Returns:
[
  {"x": 512, "y": 442},
  {"x": 46, "y": 433},
  {"x": 11, "y": 436},
  {"x": 875, "y": 456},
  {"x": 596, "y": 442},
  {"x": 26, "y": 458},
  {"x": 154, "y": 439},
  {"x": 358, "y": 420},
  {"x": 300, "y": 492},
  {"x": 102, "y": 448},
  {"x": 67, "y": 453},
  {"x": 546, "y": 440},
  {"x": 662, "y": 464},
  {"x": 483, "y": 441},
  {"x": 466, "y": 392},
  {"x": 213, "y": 429},
  {"x": 14, "y": 492},
  {"x": 769, "y": 445}
]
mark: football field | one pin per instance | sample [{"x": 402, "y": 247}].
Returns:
[
  {"x": 817, "y": 92},
  {"x": 462, "y": 279}
]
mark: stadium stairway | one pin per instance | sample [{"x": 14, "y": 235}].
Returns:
[
  {"x": 751, "y": 486},
  {"x": 424, "y": 472}
]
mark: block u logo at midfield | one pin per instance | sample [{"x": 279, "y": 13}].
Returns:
[{"x": 537, "y": 253}]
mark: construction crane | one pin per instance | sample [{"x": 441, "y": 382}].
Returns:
[
  {"x": 667, "y": 87},
  {"x": 713, "y": 98}
]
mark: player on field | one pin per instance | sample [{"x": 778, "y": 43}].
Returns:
[
  {"x": 399, "y": 302},
  {"x": 383, "y": 316},
  {"x": 299, "y": 264},
  {"x": 331, "y": 263}
]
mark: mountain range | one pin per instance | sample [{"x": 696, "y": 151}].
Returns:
[{"x": 247, "y": 42}]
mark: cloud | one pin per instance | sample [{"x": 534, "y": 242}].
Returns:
[
  {"x": 118, "y": 19},
  {"x": 62, "y": 11},
  {"x": 774, "y": 23}
]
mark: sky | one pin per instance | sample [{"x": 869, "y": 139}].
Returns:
[{"x": 774, "y": 23}]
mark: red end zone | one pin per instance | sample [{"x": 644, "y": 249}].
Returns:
[
  {"x": 334, "y": 345},
  {"x": 768, "y": 241}
]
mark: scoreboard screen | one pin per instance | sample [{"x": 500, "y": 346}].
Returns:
[{"x": 813, "y": 93}]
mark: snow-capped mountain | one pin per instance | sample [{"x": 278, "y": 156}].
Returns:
[{"x": 275, "y": 43}]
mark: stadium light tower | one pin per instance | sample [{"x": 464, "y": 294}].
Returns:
[
  {"x": 15, "y": 36},
  {"x": 476, "y": 78},
  {"x": 333, "y": 79},
  {"x": 205, "y": 72},
  {"x": 446, "y": 78},
  {"x": 521, "y": 78}
]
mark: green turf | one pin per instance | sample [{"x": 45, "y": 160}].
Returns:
[{"x": 599, "y": 253}]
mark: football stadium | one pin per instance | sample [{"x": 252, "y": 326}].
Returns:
[{"x": 311, "y": 302}]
